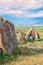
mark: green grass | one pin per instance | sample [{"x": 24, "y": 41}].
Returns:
[
  {"x": 15, "y": 57},
  {"x": 26, "y": 28},
  {"x": 5, "y": 58}
]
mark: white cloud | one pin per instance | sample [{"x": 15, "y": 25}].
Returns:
[
  {"x": 38, "y": 14},
  {"x": 26, "y": 4},
  {"x": 13, "y": 12},
  {"x": 16, "y": 12},
  {"x": 6, "y": 5},
  {"x": 22, "y": 13}
]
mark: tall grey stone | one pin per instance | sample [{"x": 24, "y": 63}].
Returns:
[{"x": 8, "y": 41}]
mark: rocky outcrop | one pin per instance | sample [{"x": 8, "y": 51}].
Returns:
[{"x": 8, "y": 41}]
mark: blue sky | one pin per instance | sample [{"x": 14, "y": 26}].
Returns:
[{"x": 22, "y": 12}]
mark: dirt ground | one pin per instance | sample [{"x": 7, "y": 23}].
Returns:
[
  {"x": 29, "y": 60},
  {"x": 32, "y": 54}
]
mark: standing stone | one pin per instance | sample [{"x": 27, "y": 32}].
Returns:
[
  {"x": 37, "y": 35},
  {"x": 30, "y": 34},
  {"x": 8, "y": 41},
  {"x": 22, "y": 36}
]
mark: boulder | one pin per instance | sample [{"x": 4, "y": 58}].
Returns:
[
  {"x": 30, "y": 34},
  {"x": 8, "y": 41},
  {"x": 22, "y": 35},
  {"x": 37, "y": 35}
]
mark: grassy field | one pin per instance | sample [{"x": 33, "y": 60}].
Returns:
[
  {"x": 26, "y": 28},
  {"x": 30, "y": 53},
  {"x": 38, "y": 29}
]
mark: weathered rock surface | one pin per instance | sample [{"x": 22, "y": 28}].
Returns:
[
  {"x": 8, "y": 41},
  {"x": 30, "y": 33},
  {"x": 37, "y": 35}
]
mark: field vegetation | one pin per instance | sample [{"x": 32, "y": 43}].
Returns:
[{"x": 30, "y": 53}]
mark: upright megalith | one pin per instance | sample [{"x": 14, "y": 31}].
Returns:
[
  {"x": 8, "y": 41},
  {"x": 30, "y": 34},
  {"x": 38, "y": 35}
]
